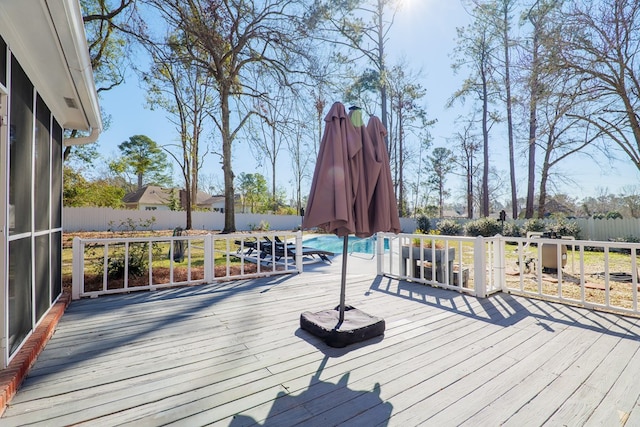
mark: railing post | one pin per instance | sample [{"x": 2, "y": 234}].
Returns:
[
  {"x": 209, "y": 262},
  {"x": 379, "y": 252},
  {"x": 299, "y": 251},
  {"x": 499, "y": 267},
  {"x": 77, "y": 270},
  {"x": 479, "y": 267}
]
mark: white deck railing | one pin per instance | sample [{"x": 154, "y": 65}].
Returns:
[
  {"x": 411, "y": 257},
  {"x": 593, "y": 274},
  {"x": 118, "y": 265}
]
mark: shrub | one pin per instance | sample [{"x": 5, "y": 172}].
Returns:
[
  {"x": 535, "y": 224},
  {"x": 614, "y": 215},
  {"x": 486, "y": 227},
  {"x": 449, "y": 227},
  {"x": 562, "y": 227},
  {"x": 138, "y": 262},
  {"x": 427, "y": 242},
  {"x": 263, "y": 226},
  {"x": 423, "y": 224},
  {"x": 511, "y": 229},
  {"x": 131, "y": 225}
]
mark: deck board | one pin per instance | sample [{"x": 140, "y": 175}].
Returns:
[{"x": 232, "y": 353}]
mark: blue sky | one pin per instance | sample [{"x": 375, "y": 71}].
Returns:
[{"x": 423, "y": 33}]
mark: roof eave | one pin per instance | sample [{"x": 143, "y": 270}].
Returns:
[{"x": 48, "y": 39}]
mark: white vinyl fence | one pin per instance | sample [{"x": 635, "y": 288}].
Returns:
[{"x": 108, "y": 219}]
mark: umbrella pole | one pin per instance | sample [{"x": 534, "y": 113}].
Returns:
[{"x": 343, "y": 285}]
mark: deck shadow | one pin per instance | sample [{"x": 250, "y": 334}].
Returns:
[{"x": 506, "y": 310}]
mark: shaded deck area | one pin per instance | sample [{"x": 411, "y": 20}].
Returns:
[{"x": 233, "y": 354}]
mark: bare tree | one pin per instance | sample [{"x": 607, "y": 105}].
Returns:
[
  {"x": 476, "y": 51},
  {"x": 184, "y": 92},
  {"x": 441, "y": 163},
  {"x": 538, "y": 16},
  {"x": 267, "y": 129},
  {"x": 468, "y": 146},
  {"x": 364, "y": 27},
  {"x": 238, "y": 37},
  {"x": 408, "y": 117},
  {"x": 106, "y": 27},
  {"x": 602, "y": 50}
]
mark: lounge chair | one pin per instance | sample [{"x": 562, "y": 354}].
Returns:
[
  {"x": 280, "y": 249},
  {"x": 249, "y": 245}
]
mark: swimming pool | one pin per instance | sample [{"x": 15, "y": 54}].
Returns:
[{"x": 333, "y": 243}]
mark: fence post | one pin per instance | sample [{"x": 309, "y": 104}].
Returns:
[
  {"x": 479, "y": 267},
  {"x": 209, "y": 261},
  {"x": 77, "y": 269}
]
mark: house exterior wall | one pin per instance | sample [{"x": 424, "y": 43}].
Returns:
[{"x": 31, "y": 153}]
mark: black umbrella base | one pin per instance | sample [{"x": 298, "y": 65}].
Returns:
[{"x": 356, "y": 327}]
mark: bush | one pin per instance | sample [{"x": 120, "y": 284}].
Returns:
[
  {"x": 423, "y": 224},
  {"x": 535, "y": 225},
  {"x": 511, "y": 229},
  {"x": 449, "y": 227},
  {"x": 138, "y": 262},
  {"x": 562, "y": 227},
  {"x": 485, "y": 227},
  {"x": 263, "y": 226}
]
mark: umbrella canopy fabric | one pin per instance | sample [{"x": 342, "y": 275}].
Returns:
[
  {"x": 333, "y": 191},
  {"x": 383, "y": 208},
  {"x": 351, "y": 191},
  {"x": 369, "y": 168}
]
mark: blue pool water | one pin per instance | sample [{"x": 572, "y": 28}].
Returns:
[{"x": 334, "y": 243}]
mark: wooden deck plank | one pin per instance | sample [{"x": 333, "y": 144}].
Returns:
[
  {"x": 581, "y": 404},
  {"x": 622, "y": 398},
  {"x": 489, "y": 390},
  {"x": 233, "y": 353}
]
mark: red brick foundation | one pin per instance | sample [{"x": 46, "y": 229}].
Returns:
[{"x": 14, "y": 374}]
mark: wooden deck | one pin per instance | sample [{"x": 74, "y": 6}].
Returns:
[{"x": 233, "y": 354}]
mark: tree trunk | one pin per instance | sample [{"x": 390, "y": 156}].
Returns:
[
  {"x": 401, "y": 168},
  {"x": 470, "y": 188},
  {"x": 507, "y": 84},
  {"x": 273, "y": 168},
  {"x": 229, "y": 192},
  {"x": 382, "y": 70},
  {"x": 485, "y": 145},
  {"x": 544, "y": 177},
  {"x": 533, "y": 122}
]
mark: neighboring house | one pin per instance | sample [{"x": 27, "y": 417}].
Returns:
[
  {"x": 150, "y": 198},
  {"x": 46, "y": 87},
  {"x": 155, "y": 198},
  {"x": 217, "y": 204}
]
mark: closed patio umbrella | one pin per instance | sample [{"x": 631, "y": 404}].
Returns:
[
  {"x": 346, "y": 182},
  {"x": 383, "y": 208}
]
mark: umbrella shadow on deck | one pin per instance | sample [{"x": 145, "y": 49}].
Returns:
[
  {"x": 506, "y": 310},
  {"x": 331, "y": 402}
]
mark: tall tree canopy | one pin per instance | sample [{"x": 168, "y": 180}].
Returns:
[
  {"x": 144, "y": 159},
  {"x": 239, "y": 37}
]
